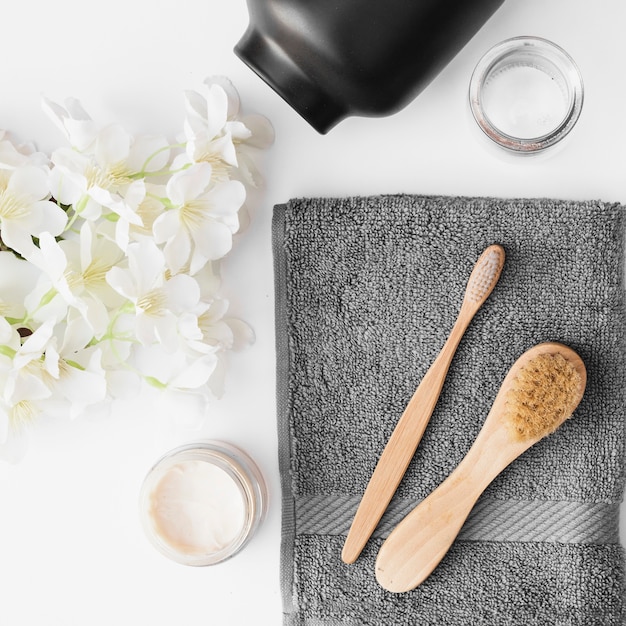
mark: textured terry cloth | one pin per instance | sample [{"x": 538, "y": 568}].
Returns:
[{"x": 367, "y": 290}]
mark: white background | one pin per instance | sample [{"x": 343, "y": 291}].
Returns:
[{"x": 71, "y": 549}]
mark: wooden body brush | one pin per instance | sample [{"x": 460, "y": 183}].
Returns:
[
  {"x": 407, "y": 434},
  {"x": 541, "y": 390}
]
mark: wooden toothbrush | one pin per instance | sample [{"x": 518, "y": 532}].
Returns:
[
  {"x": 408, "y": 432},
  {"x": 541, "y": 390}
]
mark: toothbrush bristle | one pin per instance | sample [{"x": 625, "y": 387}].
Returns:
[
  {"x": 485, "y": 275},
  {"x": 542, "y": 397}
]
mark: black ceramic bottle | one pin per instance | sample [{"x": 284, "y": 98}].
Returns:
[{"x": 333, "y": 58}]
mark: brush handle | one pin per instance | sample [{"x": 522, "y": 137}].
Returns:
[
  {"x": 401, "y": 447},
  {"x": 419, "y": 542}
]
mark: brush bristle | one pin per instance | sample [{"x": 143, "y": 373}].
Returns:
[
  {"x": 484, "y": 275},
  {"x": 542, "y": 397}
]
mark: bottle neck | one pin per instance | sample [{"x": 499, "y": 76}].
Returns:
[{"x": 282, "y": 73}]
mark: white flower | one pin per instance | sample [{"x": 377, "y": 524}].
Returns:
[
  {"x": 35, "y": 348},
  {"x": 107, "y": 172},
  {"x": 208, "y": 133},
  {"x": 217, "y": 136},
  {"x": 81, "y": 380},
  {"x": 76, "y": 270},
  {"x": 22, "y": 384},
  {"x": 72, "y": 178},
  {"x": 224, "y": 332},
  {"x": 88, "y": 186},
  {"x": 200, "y": 226},
  {"x": 174, "y": 371},
  {"x": 13, "y": 155},
  {"x": 158, "y": 301},
  {"x": 17, "y": 279},
  {"x": 135, "y": 200},
  {"x": 20, "y": 404},
  {"x": 25, "y": 211},
  {"x": 73, "y": 121}
]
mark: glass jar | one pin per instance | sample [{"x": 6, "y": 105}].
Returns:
[
  {"x": 201, "y": 503},
  {"x": 526, "y": 95}
]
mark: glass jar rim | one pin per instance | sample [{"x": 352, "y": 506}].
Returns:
[{"x": 559, "y": 60}]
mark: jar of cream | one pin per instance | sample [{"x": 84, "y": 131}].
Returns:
[
  {"x": 201, "y": 503},
  {"x": 526, "y": 94}
]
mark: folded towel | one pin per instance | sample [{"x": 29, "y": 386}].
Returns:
[{"x": 367, "y": 290}]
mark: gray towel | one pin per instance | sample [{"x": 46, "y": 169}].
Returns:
[{"x": 367, "y": 290}]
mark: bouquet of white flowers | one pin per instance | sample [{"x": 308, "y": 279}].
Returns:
[{"x": 107, "y": 269}]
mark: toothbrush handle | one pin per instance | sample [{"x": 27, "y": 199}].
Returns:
[{"x": 401, "y": 446}]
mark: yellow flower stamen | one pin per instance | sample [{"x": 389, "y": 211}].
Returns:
[
  {"x": 152, "y": 303},
  {"x": 119, "y": 173},
  {"x": 5, "y": 176},
  {"x": 205, "y": 322},
  {"x": 147, "y": 211},
  {"x": 192, "y": 214},
  {"x": 22, "y": 414},
  {"x": 115, "y": 175},
  {"x": 73, "y": 279},
  {"x": 219, "y": 168},
  {"x": 95, "y": 273},
  {"x": 13, "y": 206}
]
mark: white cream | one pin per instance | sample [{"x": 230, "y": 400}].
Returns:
[{"x": 197, "y": 508}]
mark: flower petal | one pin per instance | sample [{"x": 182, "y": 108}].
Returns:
[
  {"x": 263, "y": 134},
  {"x": 35, "y": 343},
  {"x": 17, "y": 279},
  {"x": 226, "y": 199},
  {"x": 183, "y": 293},
  {"x": 177, "y": 251},
  {"x": 10, "y": 156},
  {"x": 112, "y": 145},
  {"x": 51, "y": 361},
  {"x": 73, "y": 121},
  {"x": 19, "y": 239},
  {"x": 146, "y": 263},
  {"x": 196, "y": 374},
  {"x": 148, "y": 153},
  {"x": 122, "y": 281},
  {"x": 231, "y": 93},
  {"x": 4, "y": 426},
  {"x": 47, "y": 217},
  {"x": 30, "y": 181},
  {"x": 243, "y": 334},
  {"x": 213, "y": 241},
  {"x": 13, "y": 449},
  {"x": 28, "y": 388},
  {"x": 189, "y": 184},
  {"x": 83, "y": 387},
  {"x": 166, "y": 225}
]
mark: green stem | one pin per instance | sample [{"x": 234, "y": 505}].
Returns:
[
  {"x": 144, "y": 174},
  {"x": 7, "y": 351},
  {"x": 154, "y": 154},
  {"x": 166, "y": 202},
  {"x": 78, "y": 366},
  {"x": 70, "y": 222},
  {"x": 45, "y": 299},
  {"x": 155, "y": 382}
]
